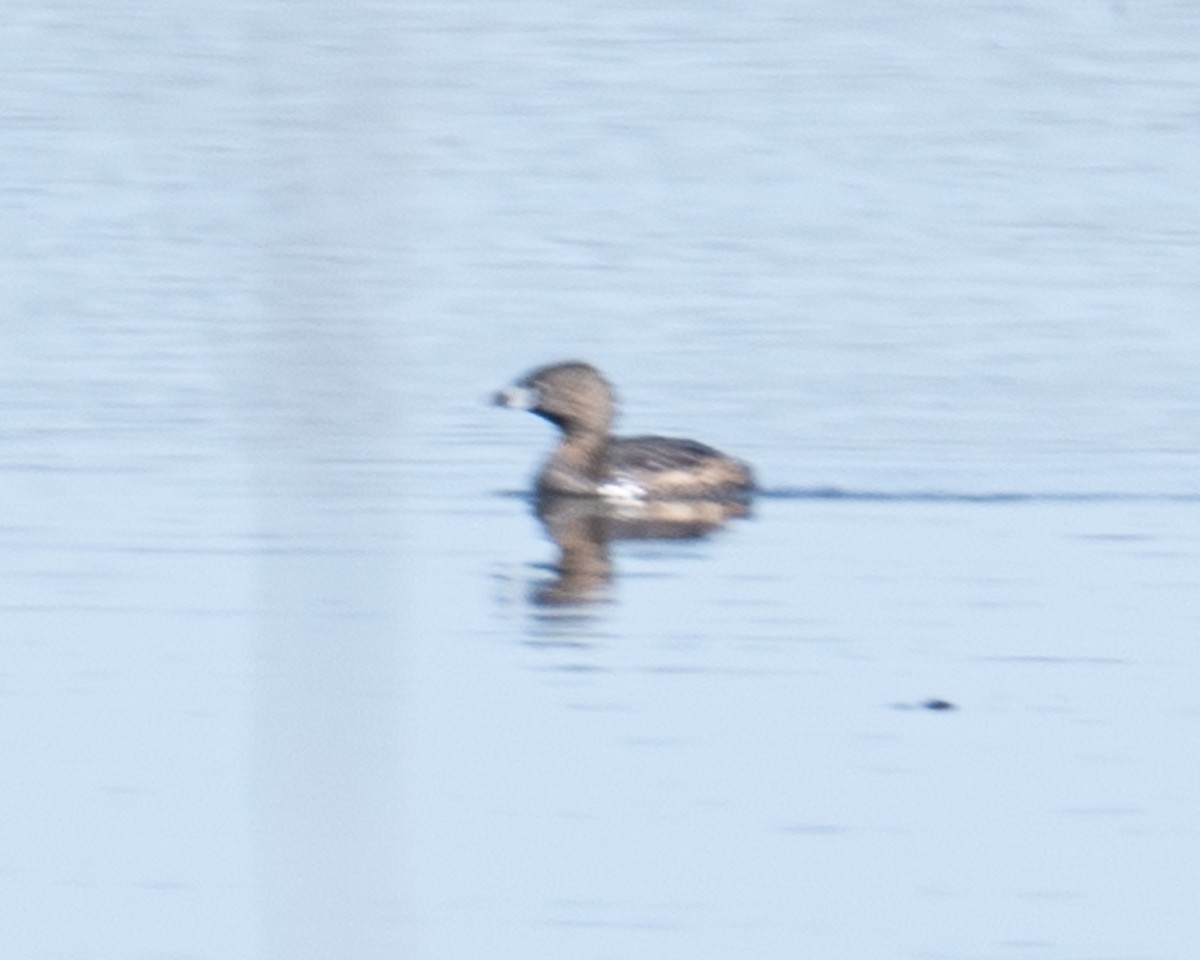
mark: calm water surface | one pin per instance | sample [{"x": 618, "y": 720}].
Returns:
[{"x": 274, "y": 679}]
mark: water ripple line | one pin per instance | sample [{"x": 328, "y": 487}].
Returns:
[{"x": 984, "y": 497}]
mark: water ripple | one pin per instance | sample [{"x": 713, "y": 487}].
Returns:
[{"x": 954, "y": 496}]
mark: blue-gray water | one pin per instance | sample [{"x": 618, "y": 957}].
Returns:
[{"x": 272, "y": 680}]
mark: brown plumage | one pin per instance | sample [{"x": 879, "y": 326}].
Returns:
[{"x": 591, "y": 462}]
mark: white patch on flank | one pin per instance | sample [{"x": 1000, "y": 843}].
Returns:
[{"x": 622, "y": 489}]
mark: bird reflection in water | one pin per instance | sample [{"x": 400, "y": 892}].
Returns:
[
  {"x": 597, "y": 488},
  {"x": 583, "y": 528}
]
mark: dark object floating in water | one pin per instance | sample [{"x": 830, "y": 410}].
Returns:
[
  {"x": 590, "y": 462},
  {"x": 934, "y": 703}
]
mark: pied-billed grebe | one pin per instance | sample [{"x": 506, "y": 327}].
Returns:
[{"x": 591, "y": 462}]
